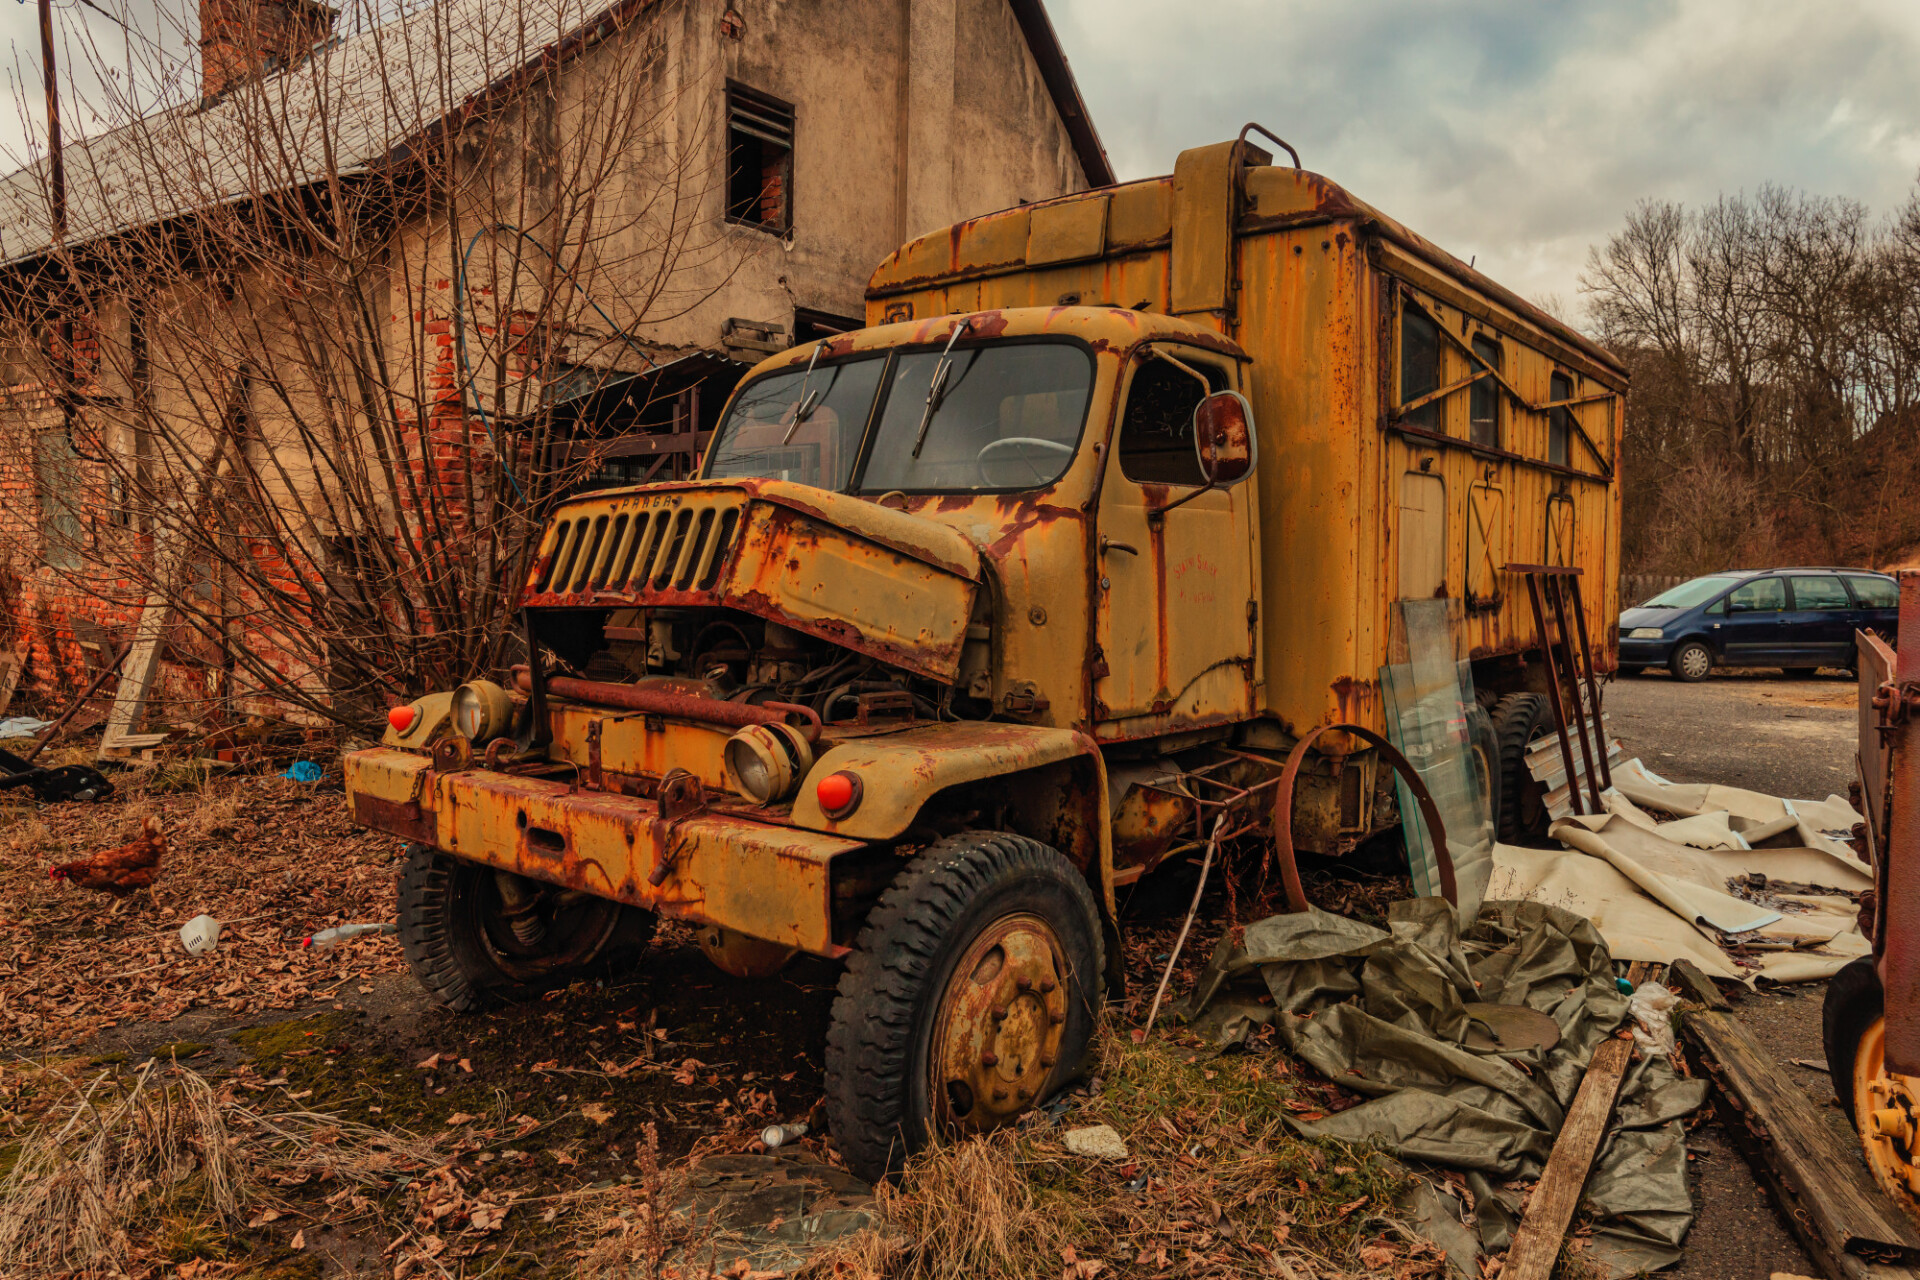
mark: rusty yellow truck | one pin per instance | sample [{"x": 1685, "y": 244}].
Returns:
[{"x": 1117, "y": 490}]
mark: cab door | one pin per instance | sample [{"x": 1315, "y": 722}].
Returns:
[{"x": 1176, "y": 565}]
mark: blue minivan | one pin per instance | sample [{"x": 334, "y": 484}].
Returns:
[{"x": 1796, "y": 619}]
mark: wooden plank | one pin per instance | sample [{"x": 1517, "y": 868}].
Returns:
[
  {"x": 10, "y": 665},
  {"x": 136, "y": 677},
  {"x": 1695, "y": 985},
  {"x": 1536, "y": 1245},
  {"x": 1817, "y": 1181}
]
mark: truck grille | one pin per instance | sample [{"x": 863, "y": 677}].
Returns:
[{"x": 624, "y": 549}]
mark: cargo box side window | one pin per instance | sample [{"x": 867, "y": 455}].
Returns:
[
  {"x": 1419, "y": 368},
  {"x": 1560, "y": 420},
  {"x": 1156, "y": 435},
  {"x": 1484, "y": 409}
]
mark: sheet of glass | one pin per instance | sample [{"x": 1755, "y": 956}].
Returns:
[{"x": 1426, "y": 700}]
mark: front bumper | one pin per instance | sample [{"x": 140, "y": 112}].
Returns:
[
  {"x": 1644, "y": 653},
  {"x": 767, "y": 881}
]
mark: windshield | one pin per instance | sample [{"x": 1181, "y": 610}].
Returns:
[
  {"x": 1008, "y": 417},
  {"x": 760, "y": 437},
  {"x": 1689, "y": 594}
]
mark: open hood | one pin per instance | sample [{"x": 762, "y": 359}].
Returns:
[{"x": 868, "y": 578}]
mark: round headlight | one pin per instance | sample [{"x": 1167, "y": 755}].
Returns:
[
  {"x": 766, "y": 761},
  {"x": 481, "y": 711}
]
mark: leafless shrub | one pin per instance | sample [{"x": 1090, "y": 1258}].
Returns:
[{"x": 293, "y": 370}]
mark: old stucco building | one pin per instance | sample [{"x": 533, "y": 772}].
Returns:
[{"x": 803, "y": 142}]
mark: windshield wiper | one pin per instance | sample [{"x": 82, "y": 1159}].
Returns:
[
  {"x": 808, "y": 401},
  {"x": 937, "y": 390}
]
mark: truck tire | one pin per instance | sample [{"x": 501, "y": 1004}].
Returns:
[
  {"x": 1484, "y": 745},
  {"x": 1691, "y": 662},
  {"x": 462, "y": 947},
  {"x": 1520, "y": 720},
  {"x": 1854, "y": 1003},
  {"x": 971, "y": 995}
]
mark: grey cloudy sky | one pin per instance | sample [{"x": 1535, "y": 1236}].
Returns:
[{"x": 1517, "y": 131}]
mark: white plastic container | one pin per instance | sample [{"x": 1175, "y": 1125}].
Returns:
[{"x": 200, "y": 935}]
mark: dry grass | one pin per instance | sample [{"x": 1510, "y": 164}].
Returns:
[
  {"x": 110, "y": 1168},
  {"x": 1215, "y": 1185}
]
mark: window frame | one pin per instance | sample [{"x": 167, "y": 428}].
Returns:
[
  {"x": 739, "y": 94},
  {"x": 1853, "y": 592},
  {"x": 1204, "y": 361},
  {"x": 1429, "y": 417},
  {"x": 1788, "y": 580},
  {"x": 1489, "y": 386},
  {"x": 1561, "y": 419}
]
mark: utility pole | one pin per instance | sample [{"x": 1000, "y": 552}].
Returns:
[{"x": 57, "y": 174}]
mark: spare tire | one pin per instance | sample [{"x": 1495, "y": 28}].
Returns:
[{"x": 1519, "y": 721}]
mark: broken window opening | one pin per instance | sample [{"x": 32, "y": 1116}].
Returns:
[
  {"x": 1156, "y": 435},
  {"x": 57, "y": 476},
  {"x": 1560, "y": 420},
  {"x": 759, "y": 160},
  {"x": 1419, "y": 367},
  {"x": 1484, "y": 401}
]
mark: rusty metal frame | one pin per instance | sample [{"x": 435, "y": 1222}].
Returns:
[
  {"x": 1407, "y": 298},
  {"x": 1550, "y": 599},
  {"x": 1897, "y": 905},
  {"x": 1283, "y": 812}
]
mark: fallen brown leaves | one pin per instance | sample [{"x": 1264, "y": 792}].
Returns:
[{"x": 271, "y": 859}]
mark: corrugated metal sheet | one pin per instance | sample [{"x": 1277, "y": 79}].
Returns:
[{"x": 352, "y": 103}]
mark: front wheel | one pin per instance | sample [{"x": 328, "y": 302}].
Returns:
[
  {"x": 971, "y": 995},
  {"x": 1520, "y": 721},
  {"x": 1691, "y": 662},
  {"x": 475, "y": 937}
]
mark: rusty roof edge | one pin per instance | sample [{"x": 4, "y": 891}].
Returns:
[
  {"x": 1398, "y": 233},
  {"x": 1044, "y": 43}
]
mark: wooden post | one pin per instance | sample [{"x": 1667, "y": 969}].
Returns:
[{"x": 1536, "y": 1245}]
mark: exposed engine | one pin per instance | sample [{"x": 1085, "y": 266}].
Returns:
[{"x": 733, "y": 656}]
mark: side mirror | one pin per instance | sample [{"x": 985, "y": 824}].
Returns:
[{"x": 1224, "y": 439}]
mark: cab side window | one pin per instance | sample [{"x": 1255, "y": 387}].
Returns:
[
  {"x": 1820, "y": 593},
  {"x": 1156, "y": 434},
  {"x": 1762, "y": 595}
]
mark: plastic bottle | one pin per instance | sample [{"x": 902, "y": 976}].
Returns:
[
  {"x": 341, "y": 932},
  {"x": 778, "y": 1135}
]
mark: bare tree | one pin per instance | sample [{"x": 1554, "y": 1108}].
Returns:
[{"x": 291, "y": 374}]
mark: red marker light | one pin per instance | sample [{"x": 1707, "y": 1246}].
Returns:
[
  {"x": 838, "y": 793},
  {"x": 401, "y": 718}
]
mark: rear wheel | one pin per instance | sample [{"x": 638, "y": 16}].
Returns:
[
  {"x": 475, "y": 937},
  {"x": 1691, "y": 662},
  {"x": 1884, "y": 1107},
  {"x": 970, "y": 996},
  {"x": 1521, "y": 720}
]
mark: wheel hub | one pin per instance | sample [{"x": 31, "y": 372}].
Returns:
[
  {"x": 1887, "y": 1108},
  {"x": 1000, "y": 1026}
]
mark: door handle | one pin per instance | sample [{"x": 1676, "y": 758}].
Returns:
[{"x": 1108, "y": 544}]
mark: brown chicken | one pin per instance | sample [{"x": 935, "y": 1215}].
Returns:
[{"x": 119, "y": 871}]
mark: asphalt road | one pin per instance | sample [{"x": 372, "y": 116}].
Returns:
[{"x": 1792, "y": 738}]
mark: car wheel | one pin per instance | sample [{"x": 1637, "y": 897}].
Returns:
[
  {"x": 1520, "y": 720},
  {"x": 472, "y": 950},
  {"x": 1691, "y": 662},
  {"x": 970, "y": 996}
]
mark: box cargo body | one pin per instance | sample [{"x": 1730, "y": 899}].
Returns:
[{"x": 1360, "y": 501}]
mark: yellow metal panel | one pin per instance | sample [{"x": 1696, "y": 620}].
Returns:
[
  {"x": 996, "y": 242},
  {"x": 1141, "y": 214},
  {"x": 1067, "y": 231},
  {"x": 899, "y": 771},
  {"x": 640, "y": 744},
  {"x": 435, "y": 709},
  {"x": 1423, "y": 536},
  {"x": 394, "y": 776},
  {"x": 1486, "y": 543},
  {"x": 1203, "y": 210}
]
